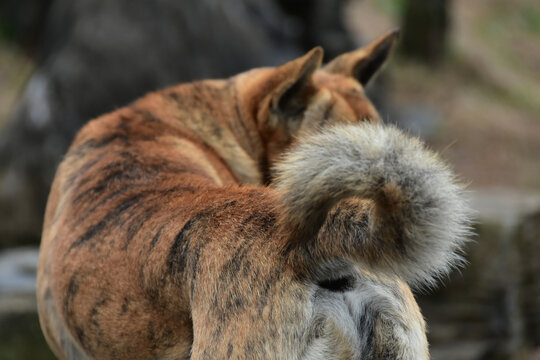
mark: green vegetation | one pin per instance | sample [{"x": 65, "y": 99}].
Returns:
[
  {"x": 530, "y": 15},
  {"x": 21, "y": 338},
  {"x": 6, "y": 30},
  {"x": 393, "y": 7}
]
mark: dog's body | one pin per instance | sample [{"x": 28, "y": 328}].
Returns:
[{"x": 160, "y": 240}]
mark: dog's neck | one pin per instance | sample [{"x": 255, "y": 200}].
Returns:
[{"x": 218, "y": 112}]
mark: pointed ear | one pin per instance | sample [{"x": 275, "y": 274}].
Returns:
[
  {"x": 291, "y": 96},
  {"x": 364, "y": 63}
]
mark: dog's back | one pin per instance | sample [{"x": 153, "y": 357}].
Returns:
[{"x": 160, "y": 240}]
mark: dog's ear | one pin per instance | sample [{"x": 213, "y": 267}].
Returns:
[
  {"x": 292, "y": 94},
  {"x": 364, "y": 63}
]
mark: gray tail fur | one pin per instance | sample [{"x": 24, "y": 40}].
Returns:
[{"x": 418, "y": 220}]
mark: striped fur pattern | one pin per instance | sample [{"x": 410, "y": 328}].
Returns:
[{"x": 248, "y": 218}]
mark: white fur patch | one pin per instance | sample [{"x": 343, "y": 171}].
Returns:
[{"x": 377, "y": 316}]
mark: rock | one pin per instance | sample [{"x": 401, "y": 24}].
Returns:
[
  {"x": 505, "y": 206},
  {"x": 20, "y": 333},
  {"x": 490, "y": 309},
  {"x": 18, "y": 268},
  {"x": 527, "y": 238},
  {"x": 418, "y": 120},
  {"x": 475, "y": 309}
]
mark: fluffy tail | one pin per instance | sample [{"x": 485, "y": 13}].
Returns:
[{"x": 418, "y": 219}]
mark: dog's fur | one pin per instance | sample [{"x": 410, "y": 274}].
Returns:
[{"x": 269, "y": 215}]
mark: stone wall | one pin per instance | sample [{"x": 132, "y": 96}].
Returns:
[{"x": 491, "y": 308}]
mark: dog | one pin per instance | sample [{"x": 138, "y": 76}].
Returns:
[{"x": 267, "y": 216}]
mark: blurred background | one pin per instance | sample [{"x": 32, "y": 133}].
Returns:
[{"x": 465, "y": 78}]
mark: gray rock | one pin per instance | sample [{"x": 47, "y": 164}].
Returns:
[
  {"x": 418, "y": 120},
  {"x": 527, "y": 238},
  {"x": 18, "y": 268},
  {"x": 490, "y": 309}
]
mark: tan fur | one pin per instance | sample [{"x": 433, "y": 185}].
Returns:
[{"x": 161, "y": 239}]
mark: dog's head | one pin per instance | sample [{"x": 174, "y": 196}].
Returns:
[{"x": 304, "y": 96}]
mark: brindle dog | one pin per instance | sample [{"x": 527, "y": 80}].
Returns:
[{"x": 269, "y": 215}]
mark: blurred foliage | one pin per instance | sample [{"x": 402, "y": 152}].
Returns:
[
  {"x": 425, "y": 25},
  {"x": 531, "y": 17},
  {"x": 511, "y": 30},
  {"x": 22, "y": 21},
  {"x": 7, "y": 30},
  {"x": 393, "y": 7},
  {"x": 15, "y": 70},
  {"x": 21, "y": 338}
]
